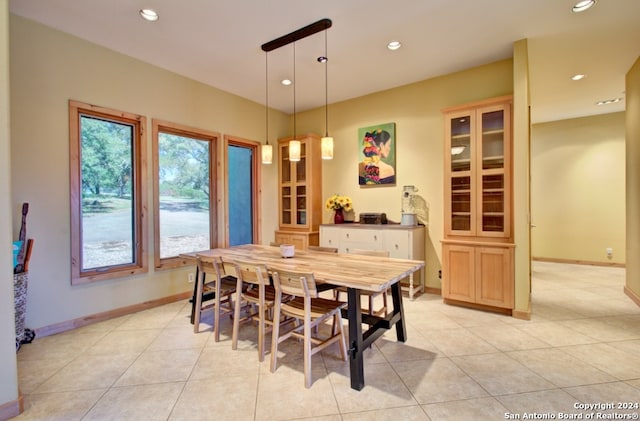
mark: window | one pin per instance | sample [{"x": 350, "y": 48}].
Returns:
[
  {"x": 184, "y": 192},
  {"x": 108, "y": 191},
  {"x": 242, "y": 169}
]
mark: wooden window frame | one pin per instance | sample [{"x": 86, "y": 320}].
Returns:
[
  {"x": 256, "y": 167},
  {"x": 139, "y": 169},
  {"x": 160, "y": 126}
]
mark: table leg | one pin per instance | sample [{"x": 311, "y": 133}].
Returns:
[
  {"x": 354, "y": 315},
  {"x": 193, "y": 297},
  {"x": 396, "y": 296}
]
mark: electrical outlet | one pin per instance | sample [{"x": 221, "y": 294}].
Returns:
[
  {"x": 440, "y": 273},
  {"x": 609, "y": 252},
  {"x": 191, "y": 277}
]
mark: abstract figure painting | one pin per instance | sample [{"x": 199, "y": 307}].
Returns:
[{"x": 377, "y": 163}]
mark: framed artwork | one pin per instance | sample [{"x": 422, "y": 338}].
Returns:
[{"x": 377, "y": 156}]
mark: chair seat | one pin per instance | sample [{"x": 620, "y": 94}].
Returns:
[
  {"x": 253, "y": 294},
  {"x": 227, "y": 286},
  {"x": 319, "y": 307}
]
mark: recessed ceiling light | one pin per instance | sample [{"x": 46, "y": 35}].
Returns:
[
  {"x": 583, "y": 5},
  {"x": 149, "y": 14},
  {"x": 609, "y": 101},
  {"x": 577, "y": 77},
  {"x": 394, "y": 45},
  {"x": 286, "y": 82}
]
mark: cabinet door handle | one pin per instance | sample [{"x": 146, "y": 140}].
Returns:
[
  {"x": 375, "y": 238},
  {"x": 347, "y": 235},
  {"x": 397, "y": 247}
]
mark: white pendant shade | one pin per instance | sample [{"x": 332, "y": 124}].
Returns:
[
  {"x": 294, "y": 150},
  {"x": 267, "y": 154},
  {"x": 326, "y": 147}
]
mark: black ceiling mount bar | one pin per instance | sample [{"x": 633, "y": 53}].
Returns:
[{"x": 294, "y": 36}]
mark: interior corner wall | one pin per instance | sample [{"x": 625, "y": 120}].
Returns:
[
  {"x": 8, "y": 364},
  {"x": 632, "y": 130},
  {"x": 578, "y": 189}
]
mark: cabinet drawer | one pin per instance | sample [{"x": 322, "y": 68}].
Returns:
[
  {"x": 399, "y": 244},
  {"x": 371, "y": 237}
]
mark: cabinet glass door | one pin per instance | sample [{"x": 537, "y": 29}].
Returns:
[
  {"x": 492, "y": 172},
  {"x": 286, "y": 209},
  {"x": 461, "y": 131}
]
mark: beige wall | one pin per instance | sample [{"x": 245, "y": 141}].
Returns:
[
  {"x": 8, "y": 367},
  {"x": 578, "y": 189},
  {"x": 416, "y": 110},
  {"x": 633, "y": 180},
  {"x": 48, "y": 68}
]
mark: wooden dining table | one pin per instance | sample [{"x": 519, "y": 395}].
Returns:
[{"x": 355, "y": 272}]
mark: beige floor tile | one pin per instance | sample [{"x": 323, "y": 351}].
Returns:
[
  {"x": 472, "y": 409},
  {"x": 219, "y": 362},
  {"x": 60, "y": 406},
  {"x": 551, "y": 401},
  {"x": 88, "y": 372},
  {"x": 407, "y": 413},
  {"x": 602, "y": 329},
  {"x": 282, "y": 395},
  {"x": 160, "y": 367},
  {"x": 460, "y": 341},
  {"x": 63, "y": 346},
  {"x": 618, "y": 363},
  {"x": 508, "y": 338},
  {"x": 145, "y": 402},
  {"x": 437, "y": 380},
  {"x": 178, "y": 338},
  {"x": 32, "y": 373},
  {"x": 499, "y": 374},
  {"x": 123, "y": 342},
  {"x": 556, "y": 334},
  {"x": 231, "y": 398},
  {"x": 416, "y": 347},
  {"x": 383, "y": 389},
  {"x": 560, "y": 368}
]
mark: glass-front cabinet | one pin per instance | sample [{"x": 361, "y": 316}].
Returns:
[
  {"x": 299, "y": 184},
  {"x": 477, "y": 164},
  {"x": 478, "y": 249}
]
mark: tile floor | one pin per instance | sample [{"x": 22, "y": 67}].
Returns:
[{"x": 582, "y": 346}]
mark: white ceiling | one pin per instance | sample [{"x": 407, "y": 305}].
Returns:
[{"x": 218, "y": 43}]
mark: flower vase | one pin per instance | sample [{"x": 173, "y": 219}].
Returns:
[{"x": 338, "y": 217}]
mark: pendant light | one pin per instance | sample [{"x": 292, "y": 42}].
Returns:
[
  {"x": 294, "y": 145},
  {"x": 266, "y": 149},
  {"x": 326, "y": 143},
  {"x": 292, "y": 37}
]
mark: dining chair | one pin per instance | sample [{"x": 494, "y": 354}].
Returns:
[
  {"x": 213, "y": 277},
  {"x": 257, "y": 296},
  {"x": 311, "y": 310},
  {"x": 370, "y": 294}
]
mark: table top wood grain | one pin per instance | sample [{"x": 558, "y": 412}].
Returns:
[{"x": 369, "y": 273}]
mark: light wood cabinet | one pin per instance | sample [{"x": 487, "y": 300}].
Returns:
[
  {"x": 402, "y": 242},
  {"x": 478, "y": 246},
  {"x": 299, "y": 193}
]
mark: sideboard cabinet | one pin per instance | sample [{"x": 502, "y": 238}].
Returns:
[
  {"x": 299, "y": 193},
  {"x": 477, "y": 249},
  {"x": 403, "y": 242}
]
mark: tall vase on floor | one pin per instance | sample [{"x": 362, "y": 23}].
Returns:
[{"x": 338, "y": 217}]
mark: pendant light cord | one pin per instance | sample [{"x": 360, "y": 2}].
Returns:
[
  {"x": 326, "y": 87},
  {"x": 266, "y": 72},
  {"x": 295, "y": 82}
]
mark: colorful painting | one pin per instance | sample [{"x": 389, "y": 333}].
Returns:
[{"x": 377, "y": 162}]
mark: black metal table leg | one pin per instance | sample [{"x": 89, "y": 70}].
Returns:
[
  {"x": 356, "y": 348},
  {"x": 396, "y": 296}
]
